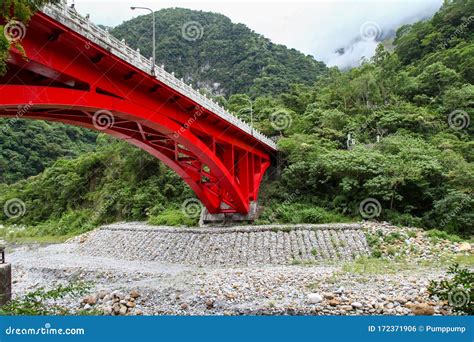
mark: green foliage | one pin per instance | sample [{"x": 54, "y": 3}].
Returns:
[
  {"x": 374, "y": 241},
  {"x": 28, "y": 147},
  {"x": 117, "y": 182},
  {"x": 173, "y": 217},
  {"x": 299, "y": 213},
  {"x": 41, "y": 302},
  {"x": 439, "y": 234},
  {"x": 20, "y": 10},
  {"x": 227, "y": 59},
  {"x": 458, "y": 289}
]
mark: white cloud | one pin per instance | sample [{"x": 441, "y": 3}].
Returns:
[{"x": 315, "y": 27}]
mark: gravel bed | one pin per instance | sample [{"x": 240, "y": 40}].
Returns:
[{"x": 128, "y": 277}]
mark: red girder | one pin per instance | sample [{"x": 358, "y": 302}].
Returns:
[{"x": 69, "y": 79}]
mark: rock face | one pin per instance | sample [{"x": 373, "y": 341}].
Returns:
[{"x": 262, "y": 245}]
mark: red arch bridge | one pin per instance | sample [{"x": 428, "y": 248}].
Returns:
[{"x": 74, "y": 72}]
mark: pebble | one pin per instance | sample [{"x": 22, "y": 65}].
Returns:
[
  {"x": 314, "y": 298},
  {"x": 258, "y": 288}
]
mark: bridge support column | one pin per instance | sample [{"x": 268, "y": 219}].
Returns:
[{"x": 223, "y": 219}]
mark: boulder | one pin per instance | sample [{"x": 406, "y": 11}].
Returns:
[
  {"x": 123, "y": 309},
  {"x": 134, "y": 294},
  {"x": 91, "y": 300},
  {"x": 464, "y": 247},
  {"x": 422, "y": 309}
]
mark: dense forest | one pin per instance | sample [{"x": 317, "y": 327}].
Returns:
[
  {"x": 209, "y": 51},
  {"x": 395, "y": 131}
]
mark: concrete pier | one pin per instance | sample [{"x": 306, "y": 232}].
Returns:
[
  {"x": 208, "y": 219},
  {"x": 5, "y": 283}
]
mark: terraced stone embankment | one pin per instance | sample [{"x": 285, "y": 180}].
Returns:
[{"x": 247, "y": 246}]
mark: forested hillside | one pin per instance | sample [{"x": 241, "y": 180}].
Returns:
[
  {"x": 394, "y": 132},
  {"x": 28, "y": 147},
  {"x": 211, "y": 52}
]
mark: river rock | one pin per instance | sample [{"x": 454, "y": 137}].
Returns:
[
  {"x": 314, "y": 298},
  {"x": 422, "y": 309}
]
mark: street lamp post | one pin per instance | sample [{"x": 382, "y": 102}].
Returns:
[
  {"x": 251, "y": 116},
  {"x": 154, "y": 35}
]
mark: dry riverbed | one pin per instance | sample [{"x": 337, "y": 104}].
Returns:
[{"x": 396, "y": 283}]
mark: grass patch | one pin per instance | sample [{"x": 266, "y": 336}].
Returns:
[
  {"x": 371, "y": 265},
  {"x": 442, "y": 235},
  {"x": 297, "y": 213},
  {"x": 43, "y": 240},
  {"x": 285, "y": 229},
  {"x": 31, "y": 235},
  {"x": 393, "y": 237},
  {"x": 173, "y": 217},
  {"x": 302, "y": 262},
  {"x": 465, "y": 260}
]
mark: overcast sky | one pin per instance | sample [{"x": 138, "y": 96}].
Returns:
[{"x": 317, "y": 28}]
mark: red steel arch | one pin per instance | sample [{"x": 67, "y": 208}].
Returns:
[{"x": 66, "y": 78}]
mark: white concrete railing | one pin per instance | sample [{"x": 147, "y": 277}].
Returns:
[{"x": 70, "y": 18}]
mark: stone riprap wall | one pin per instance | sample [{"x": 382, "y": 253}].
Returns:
[{"x": 249, "y": 245}]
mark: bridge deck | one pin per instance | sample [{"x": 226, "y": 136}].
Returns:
[{"x": 70, "y": 18}]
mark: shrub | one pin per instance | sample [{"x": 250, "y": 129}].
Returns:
[
  {"x": 173, "y": 217},
  {"x": 402, "y": 219},
  {"x": 39, "y": 302},
  {"x": 300, "y": 213},
  {"x": 457, "y": 290},
  {"x": 440, "y": 234}
]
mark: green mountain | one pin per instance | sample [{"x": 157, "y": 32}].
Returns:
[{"x": 209, "y": 51}]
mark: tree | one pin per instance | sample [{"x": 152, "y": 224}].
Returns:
[
  {"x": 18, "y": 10},
  {"x": 436, "y": 78}
]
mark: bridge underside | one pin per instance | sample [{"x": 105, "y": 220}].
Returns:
[{"x": 68, "y": 79}]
